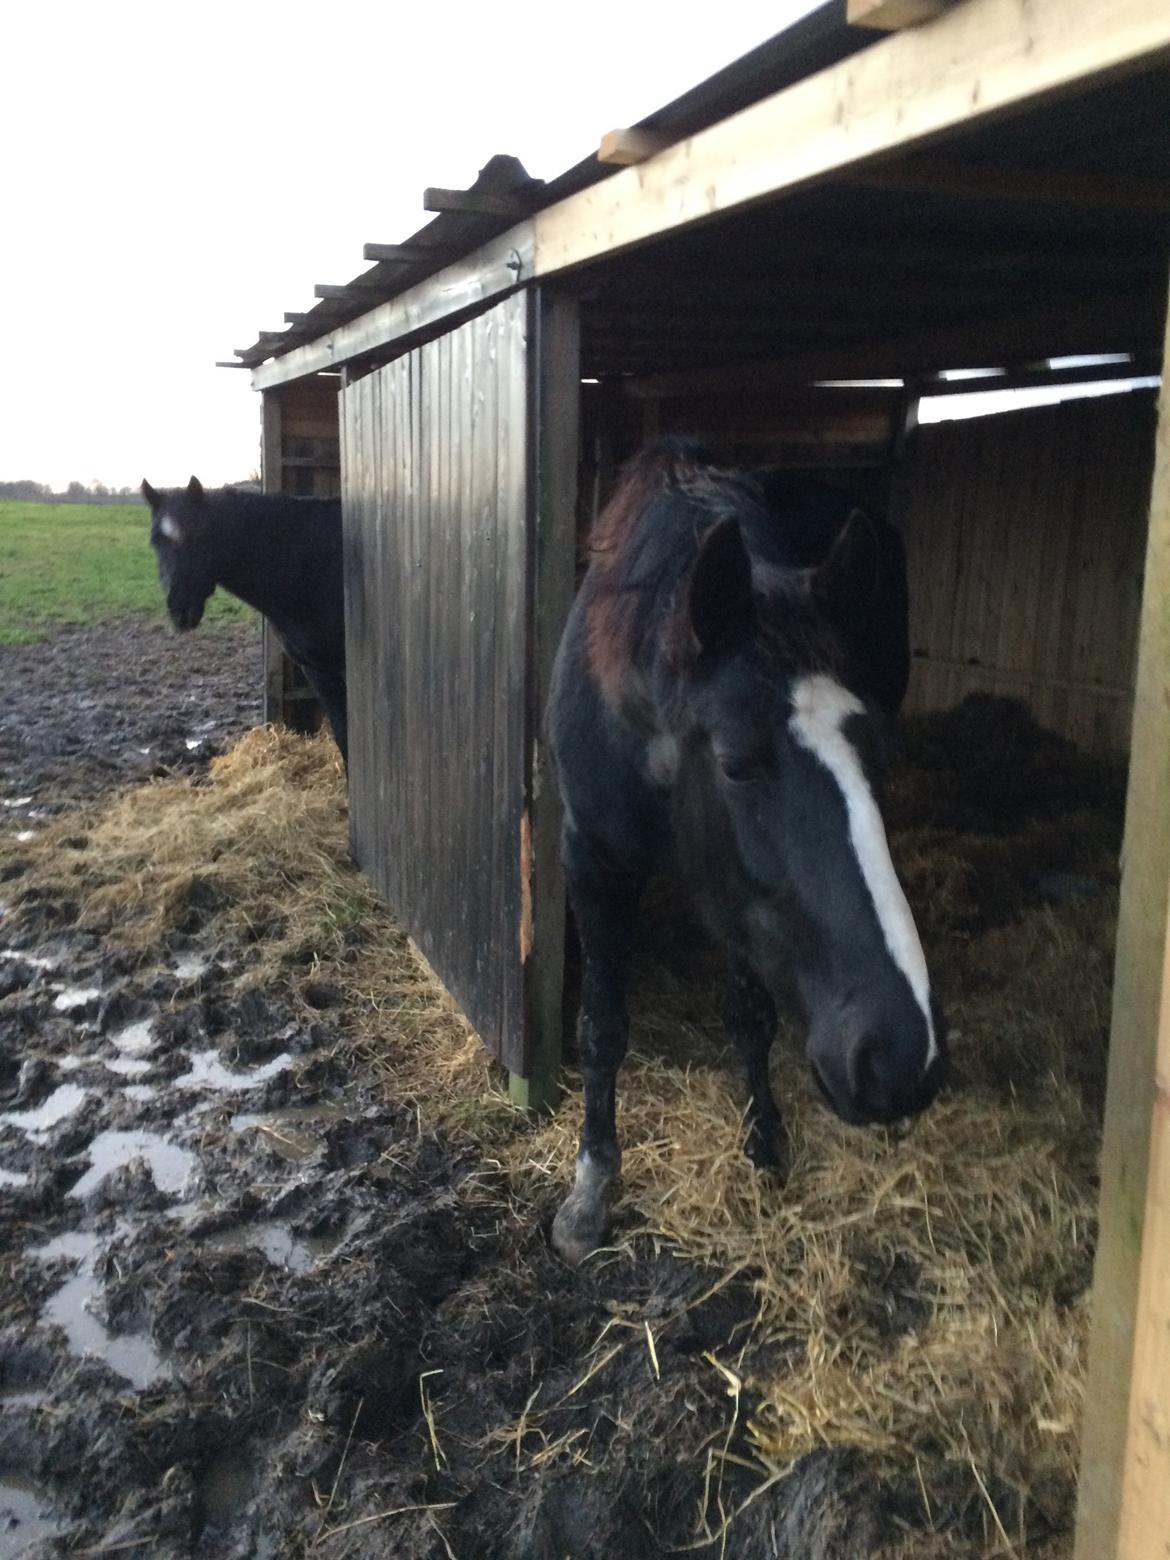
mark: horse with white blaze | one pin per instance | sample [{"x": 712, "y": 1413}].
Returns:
[
  {"x": 281, "y": 555},
  {"x": 721, "y": 701}
]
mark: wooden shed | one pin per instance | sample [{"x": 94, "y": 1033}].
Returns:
[{"x": 786, "y": 261}]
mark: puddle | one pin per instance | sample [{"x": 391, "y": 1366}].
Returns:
[
  {"x": 18, "y": 801},
  {"x": 25, "y": 1516},
  {"x": 74, "y": 997},
  {"x": 208, "y": 1072},
  {"x": 289, "y": 1132},
  {"x": 134, "y": 1038},
  {"x": 63, "y": 1101},
  {"x": 13, "y": 1178},
  {"x": 37, "y": 960},
  {"x": 131, "y": 1355},
  {"x": 278, "y": 1243},
  {"x": 189, "y": 966},
  {"x": 129, "y": 1066},
  {"x": 170, "y": 1165}
]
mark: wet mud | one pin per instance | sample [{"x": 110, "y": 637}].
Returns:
[{"x": 252, "y": 1305}]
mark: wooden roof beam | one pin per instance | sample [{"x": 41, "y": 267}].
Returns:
[
  {"x": 1044, "y": 186},
  {"x": 893, "y": 15},
  {"x": 478, "y": 203},
  {"x": 1113, "y": 322},
  {"x": 405, "y": 254},
  {"x": 624, "y": 148},
  {"x": 981, "y": 59},
  {"x": 332, "y": 292}
]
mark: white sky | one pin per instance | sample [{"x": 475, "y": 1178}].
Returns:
[{"x": 174, "y": 179}]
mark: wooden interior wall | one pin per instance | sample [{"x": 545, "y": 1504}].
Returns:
[
  {"x": 300, "y": 448},
  {"x": 1025, "y": 537}
]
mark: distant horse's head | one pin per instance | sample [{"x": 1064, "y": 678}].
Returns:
[
  {"x": 180, "y": 533},
  {"x": 778, "y": 765}
]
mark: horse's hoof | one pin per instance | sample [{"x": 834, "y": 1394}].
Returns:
[
  {"x": 580, "y": 1227},
  {"x": 765, "y": 1152}
]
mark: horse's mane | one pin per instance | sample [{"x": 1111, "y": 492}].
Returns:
[{"x": 641, "y": 551}]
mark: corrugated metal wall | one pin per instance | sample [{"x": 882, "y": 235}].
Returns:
[
  {"x": 435, "y": 464},
  {"x": 1025, "y": 538}
]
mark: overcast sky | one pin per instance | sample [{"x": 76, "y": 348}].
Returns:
[{"x": 174, "y": 179}]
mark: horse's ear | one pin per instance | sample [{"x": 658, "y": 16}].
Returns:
[
  {"x": 149, "y": 494},
  {"x": 845, "y": 581},
  {"x": 195, "y": 490},
  {"x": 720, "y": 598}
]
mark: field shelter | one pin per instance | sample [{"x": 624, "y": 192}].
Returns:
[{"x": 788, "y": 261}]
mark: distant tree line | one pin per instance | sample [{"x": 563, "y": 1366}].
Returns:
[
  {"x": 76, "y": 493},
  {"x": 95, "y": 492}
]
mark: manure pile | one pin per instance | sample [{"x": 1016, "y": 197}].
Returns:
[{"x": 882, "y": 1356}]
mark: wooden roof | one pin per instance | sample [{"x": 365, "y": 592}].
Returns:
[{"x": 1043, "y": 233}]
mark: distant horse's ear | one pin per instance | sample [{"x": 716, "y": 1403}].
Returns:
[
  {"x": 720, "y": 602},
  {"x": 848, "y": 577},
  {"x": 149, "y": 494},
  {"x": 195, "y": 489}
]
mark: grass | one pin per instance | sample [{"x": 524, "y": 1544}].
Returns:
[{"x": 67, "y": 565}]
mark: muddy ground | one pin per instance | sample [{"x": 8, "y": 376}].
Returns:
[{"x": 252, "y": 1305}]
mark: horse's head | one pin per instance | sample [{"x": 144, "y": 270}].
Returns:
[
  {"x": 776, "y": 814},
  {"x": 180, "y": 535}
]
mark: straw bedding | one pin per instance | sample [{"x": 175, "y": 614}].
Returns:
[{"x": 919, "y": 1295}]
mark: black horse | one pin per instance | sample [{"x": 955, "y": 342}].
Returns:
[
  {"x": 721, "y": 697},
  {"x": 281, "y": 555}
]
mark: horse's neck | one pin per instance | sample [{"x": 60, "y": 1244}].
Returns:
[{"x": 255, "y": 544}]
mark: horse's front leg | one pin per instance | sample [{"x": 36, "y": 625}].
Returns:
[
  {"x": 605, "y": 906},
  {"x": 750, "y": 1018}
]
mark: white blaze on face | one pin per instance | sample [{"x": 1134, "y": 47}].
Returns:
[
  {"x": 821, "y": 707},
  {"x": 170, "y": 528}
]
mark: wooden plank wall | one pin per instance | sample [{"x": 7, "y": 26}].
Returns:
[
  {"x": 436, "y": 499},
  {"x": 1025, "y": 537},
  {"x": 300, "y": 450}
]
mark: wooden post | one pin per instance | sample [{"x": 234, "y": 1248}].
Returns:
[
  {"x": 1145, "y": 1492},
  {"x": 272, "y": 481},
  {"x": 554, "y": 401},
  {"x": 1133, "y": 1180}
]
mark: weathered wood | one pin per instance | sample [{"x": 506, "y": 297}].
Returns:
[
  {"x": 347, "y": 290},
  {"x": 1145, "y": 1500},
  {"x": 1118, "y": 321},
  {"x": 1025, "y": 535},
  {"x": 1056, "y": 186},
  {"x": 554, "y": 352},
  {"x": 272, "y": 481},
  {"x": 981, "y": 59},
  {"x": 437, "y": 527},
  {"x": 1132, "y": 1097},
  {"x": 624, "y": 148},
  {"x": 451, "y": 294},
  {"x": 478, "y": 202},
  {"x": 404, "y": 254},
  {"x": 893, "y": 15}
]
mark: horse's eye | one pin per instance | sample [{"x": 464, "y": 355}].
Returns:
[{"x": 741, "y": 771}]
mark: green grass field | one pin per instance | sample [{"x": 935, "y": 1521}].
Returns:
[{"x": 70, "y": 564}]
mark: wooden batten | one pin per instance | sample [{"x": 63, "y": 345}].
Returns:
[
  {"x": 402, "y": 254},
  {"x": 624, "y": 148},
  {"x": 893, "y": 15},
  {"x": 479, "y": 203}
]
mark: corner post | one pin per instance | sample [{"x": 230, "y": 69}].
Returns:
[
  {"x": 1123, "y": 1450},
  {"x": 553, "y": 409}
]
